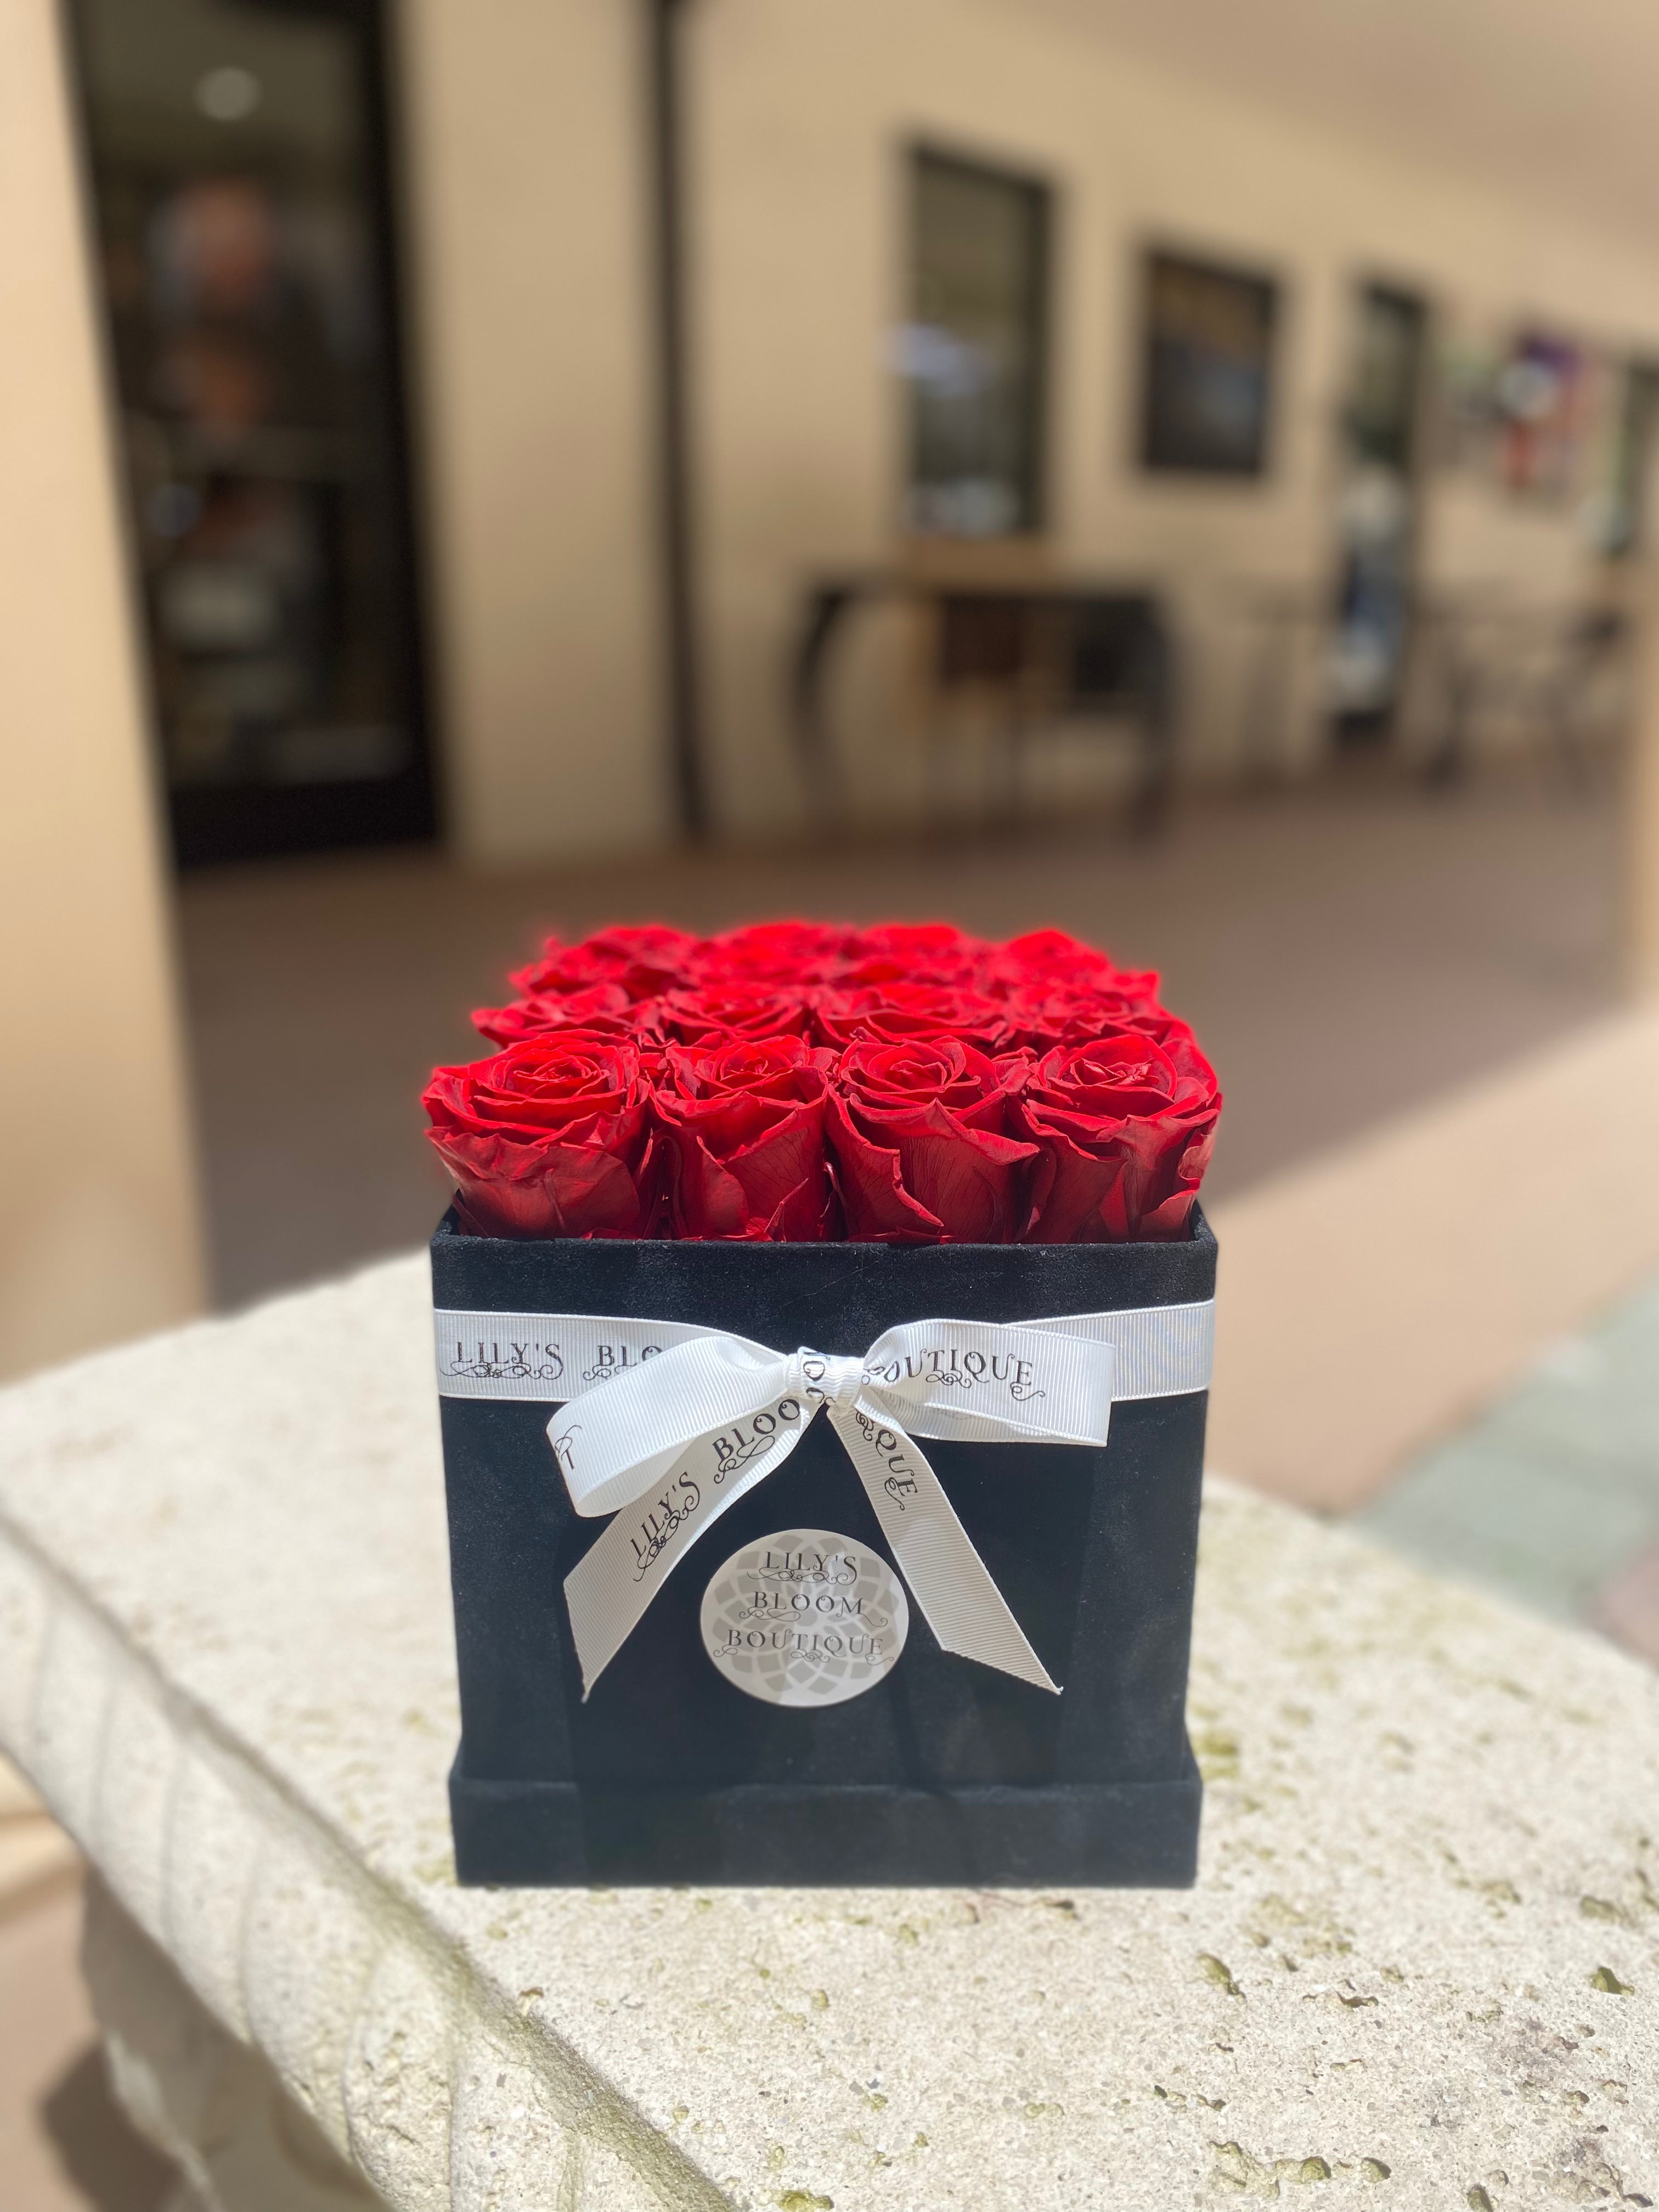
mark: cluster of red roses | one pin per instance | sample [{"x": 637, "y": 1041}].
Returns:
[{"x": 796, "y": 1080}]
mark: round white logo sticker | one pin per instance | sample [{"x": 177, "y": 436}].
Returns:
[{"x": 804, "y": 1618}]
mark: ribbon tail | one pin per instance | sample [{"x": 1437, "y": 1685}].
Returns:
[
  {"x": 948, "y": 1579},
  {"x": 612, "y": 1584}
]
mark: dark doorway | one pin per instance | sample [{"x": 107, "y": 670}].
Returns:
[
  {"x": 239, "y": 186},
  {"x": 1377, "y": 515}
]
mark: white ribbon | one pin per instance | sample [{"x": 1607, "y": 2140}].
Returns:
[{"x": 691, "y": 1419}]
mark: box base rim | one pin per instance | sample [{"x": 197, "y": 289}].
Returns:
[{"x": 532, "y": 1834}]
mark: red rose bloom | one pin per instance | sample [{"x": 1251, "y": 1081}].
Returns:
[
  {"x": 775, "y": 956},
  {"x": 919, "y": 1132},
  {"x": 603, "y": 1007},
  {"x": 742, "y": 1133},
  {"x": 551, "y": 1138},
  {"x": 907, "y": 1083},
  {"x": 1127, "y": 1124},
  {"x": 642, "y": 960},
  {"x": 1052, "y": 1014},
  {"x": 720, "y": 1012},
  {"x": 915, "y": 952},
  {"x": 891, "y": 1013},
  {"x": 1047, "y": 960}
]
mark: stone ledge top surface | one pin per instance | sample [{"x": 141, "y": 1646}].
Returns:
[{"x": 1421, "y": 1963}]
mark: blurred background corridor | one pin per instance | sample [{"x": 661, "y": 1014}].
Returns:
[{"x": 1184, "y": 475}]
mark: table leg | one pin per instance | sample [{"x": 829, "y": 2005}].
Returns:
[
  {"x": 1266, "y": 708},
  {"x": 814, "y": 751},
  {"x": 1448, "y": 763}
]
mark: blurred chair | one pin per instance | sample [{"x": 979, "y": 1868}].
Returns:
[
  {"x": 1540, "y": 666},
  {"x": 1598, "y": 642},
  {"x": 1284, "y": 621}
]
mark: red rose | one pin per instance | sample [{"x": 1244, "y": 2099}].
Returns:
[
  {"x": 1050, "y": 1014},
  {"x": 1048, "y": 960},
  {"x": 720, "y": 1012},
  {"x": 643, "y": 960},
  {"x": 776, "y": 955},
  {"x": 915, "y": 952},
  {"x": 605, "y": 1008},
  {"x": 795, "y": 1080},
  {"x": 742, "y": 1130},
  {"x": 551, "y": 1138},
  {"x": 892, "y": 1013},
  {"x": 1127, "y": 1123},
  {"x": 919, "y": 1133}
]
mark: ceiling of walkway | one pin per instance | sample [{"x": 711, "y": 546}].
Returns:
[{"x": 1551, "y": 100}]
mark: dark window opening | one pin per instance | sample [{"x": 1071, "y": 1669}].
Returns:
[
  {"x": 1206, "y": 376},
  {"x": 974, "y": 350},
  {"x": 238, "y": 160}
]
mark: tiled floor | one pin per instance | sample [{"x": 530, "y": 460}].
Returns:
[{"x": 1552, "y": 1496}]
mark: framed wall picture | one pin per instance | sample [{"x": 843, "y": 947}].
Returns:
[
  {"x": 1546, "y": 401},
  {"x": 1208, "y": 366}
]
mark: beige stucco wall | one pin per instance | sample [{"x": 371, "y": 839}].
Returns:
[
  {"x": 528, "y": 255},
  {"x": 802, "y": 115},
  {"x": 535, "y": 353},
  {"x": 101, "y": 1237}
]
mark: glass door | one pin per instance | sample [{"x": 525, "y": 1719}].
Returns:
[{"x": 238, "y": 160}]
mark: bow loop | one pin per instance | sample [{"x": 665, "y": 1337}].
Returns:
[{"x": 615, "y": 1444}]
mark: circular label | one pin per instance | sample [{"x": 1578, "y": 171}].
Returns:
[{"x": 804, "y": 1618}]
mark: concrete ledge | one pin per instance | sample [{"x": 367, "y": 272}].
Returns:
[
  {"x": 1424, "y": 1951},
  {"x": 1448, "y": 1250}
]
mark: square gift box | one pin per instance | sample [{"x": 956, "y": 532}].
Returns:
[{"x": 691, "y": 1761}]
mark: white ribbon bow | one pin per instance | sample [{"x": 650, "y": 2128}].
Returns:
[{"x": 691, "y": 1419}]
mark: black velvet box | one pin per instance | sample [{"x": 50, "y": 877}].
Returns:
[{"x": 944, "y": 1771}]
